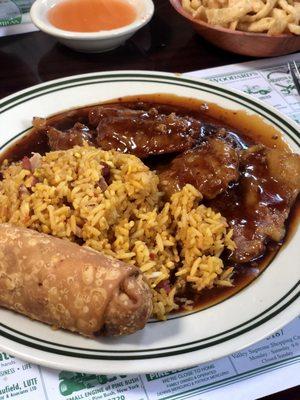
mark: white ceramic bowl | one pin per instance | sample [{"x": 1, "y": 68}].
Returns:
[{"x": 91, "y": 42}]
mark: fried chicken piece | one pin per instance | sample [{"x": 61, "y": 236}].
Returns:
[
  {"x": 142, "y": 133},
  {"x": 258, "y": 206},
  {"x": 210, "y": 167}
]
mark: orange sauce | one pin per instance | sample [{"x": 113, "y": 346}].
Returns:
[{"x": 91, "y": 15}]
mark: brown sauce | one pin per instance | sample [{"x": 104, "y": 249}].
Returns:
[
  {"x": 244, "y": 129},
  {"x": 248, "y": 129}
]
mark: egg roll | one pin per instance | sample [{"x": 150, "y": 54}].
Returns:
[{"x": 68, "y": 286}]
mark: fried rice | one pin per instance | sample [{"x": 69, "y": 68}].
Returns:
[{"x": 111, "y": 202}]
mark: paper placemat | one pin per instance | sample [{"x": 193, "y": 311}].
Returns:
[
  {"x": 268, "y": 80},
  {"x": 270, "y": 365},
  {"x": 15, "y": 18}
]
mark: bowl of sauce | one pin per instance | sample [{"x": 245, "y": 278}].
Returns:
[{"x": 92, "y": 26}]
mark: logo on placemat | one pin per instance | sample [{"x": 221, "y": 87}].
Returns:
[{"x": 71, "y": 382}]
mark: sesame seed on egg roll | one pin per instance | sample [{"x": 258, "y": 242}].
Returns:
[{"x": 68, "y": 286}]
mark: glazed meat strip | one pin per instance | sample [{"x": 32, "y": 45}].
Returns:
[
  {"x": 64, "y": 140},
  {"x": 259, "y": 204},
  {"x": 142, "y": 133},
  {"x": 210, "y": 167},
  {"x": 76, "y": 136},
  {"x": 208, "y": 130}
]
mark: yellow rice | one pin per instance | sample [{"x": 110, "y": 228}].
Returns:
[{"x": 181, "y": 239}]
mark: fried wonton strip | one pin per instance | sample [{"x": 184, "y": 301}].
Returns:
[
  {"x": 257, "y": 5},
  {"x": 263, "y": 25},
  {"x": 232, "y": 3},
  {"x": 186, "y": 5},
  {"x": 287, "y": 7},
  {"x": 200, "y": 13},
  {"x": 213, "y": 4},
  {"x": 272, "y": 16},
  {"x": 195, "y": 4},
  {"x": 264, "y": 12},
  {"x": 280, "y": 22},
  {"x": 293, "y": 11},
  {"x": 295, "y": 29},
  {"x": 233, "y": 25},
  {"x": 227, "y": 15},
  {"x": 296, "y": 14}
]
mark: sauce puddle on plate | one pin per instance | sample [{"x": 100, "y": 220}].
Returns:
[{"x": 91, "y": 15}]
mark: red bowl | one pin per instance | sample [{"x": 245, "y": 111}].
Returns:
[{"x": 248, "y": 44}]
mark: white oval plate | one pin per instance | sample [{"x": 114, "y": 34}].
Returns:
[{"x": 264, "y": 306}]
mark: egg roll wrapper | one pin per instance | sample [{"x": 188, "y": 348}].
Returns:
[{"x": 68, "y": 286}]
